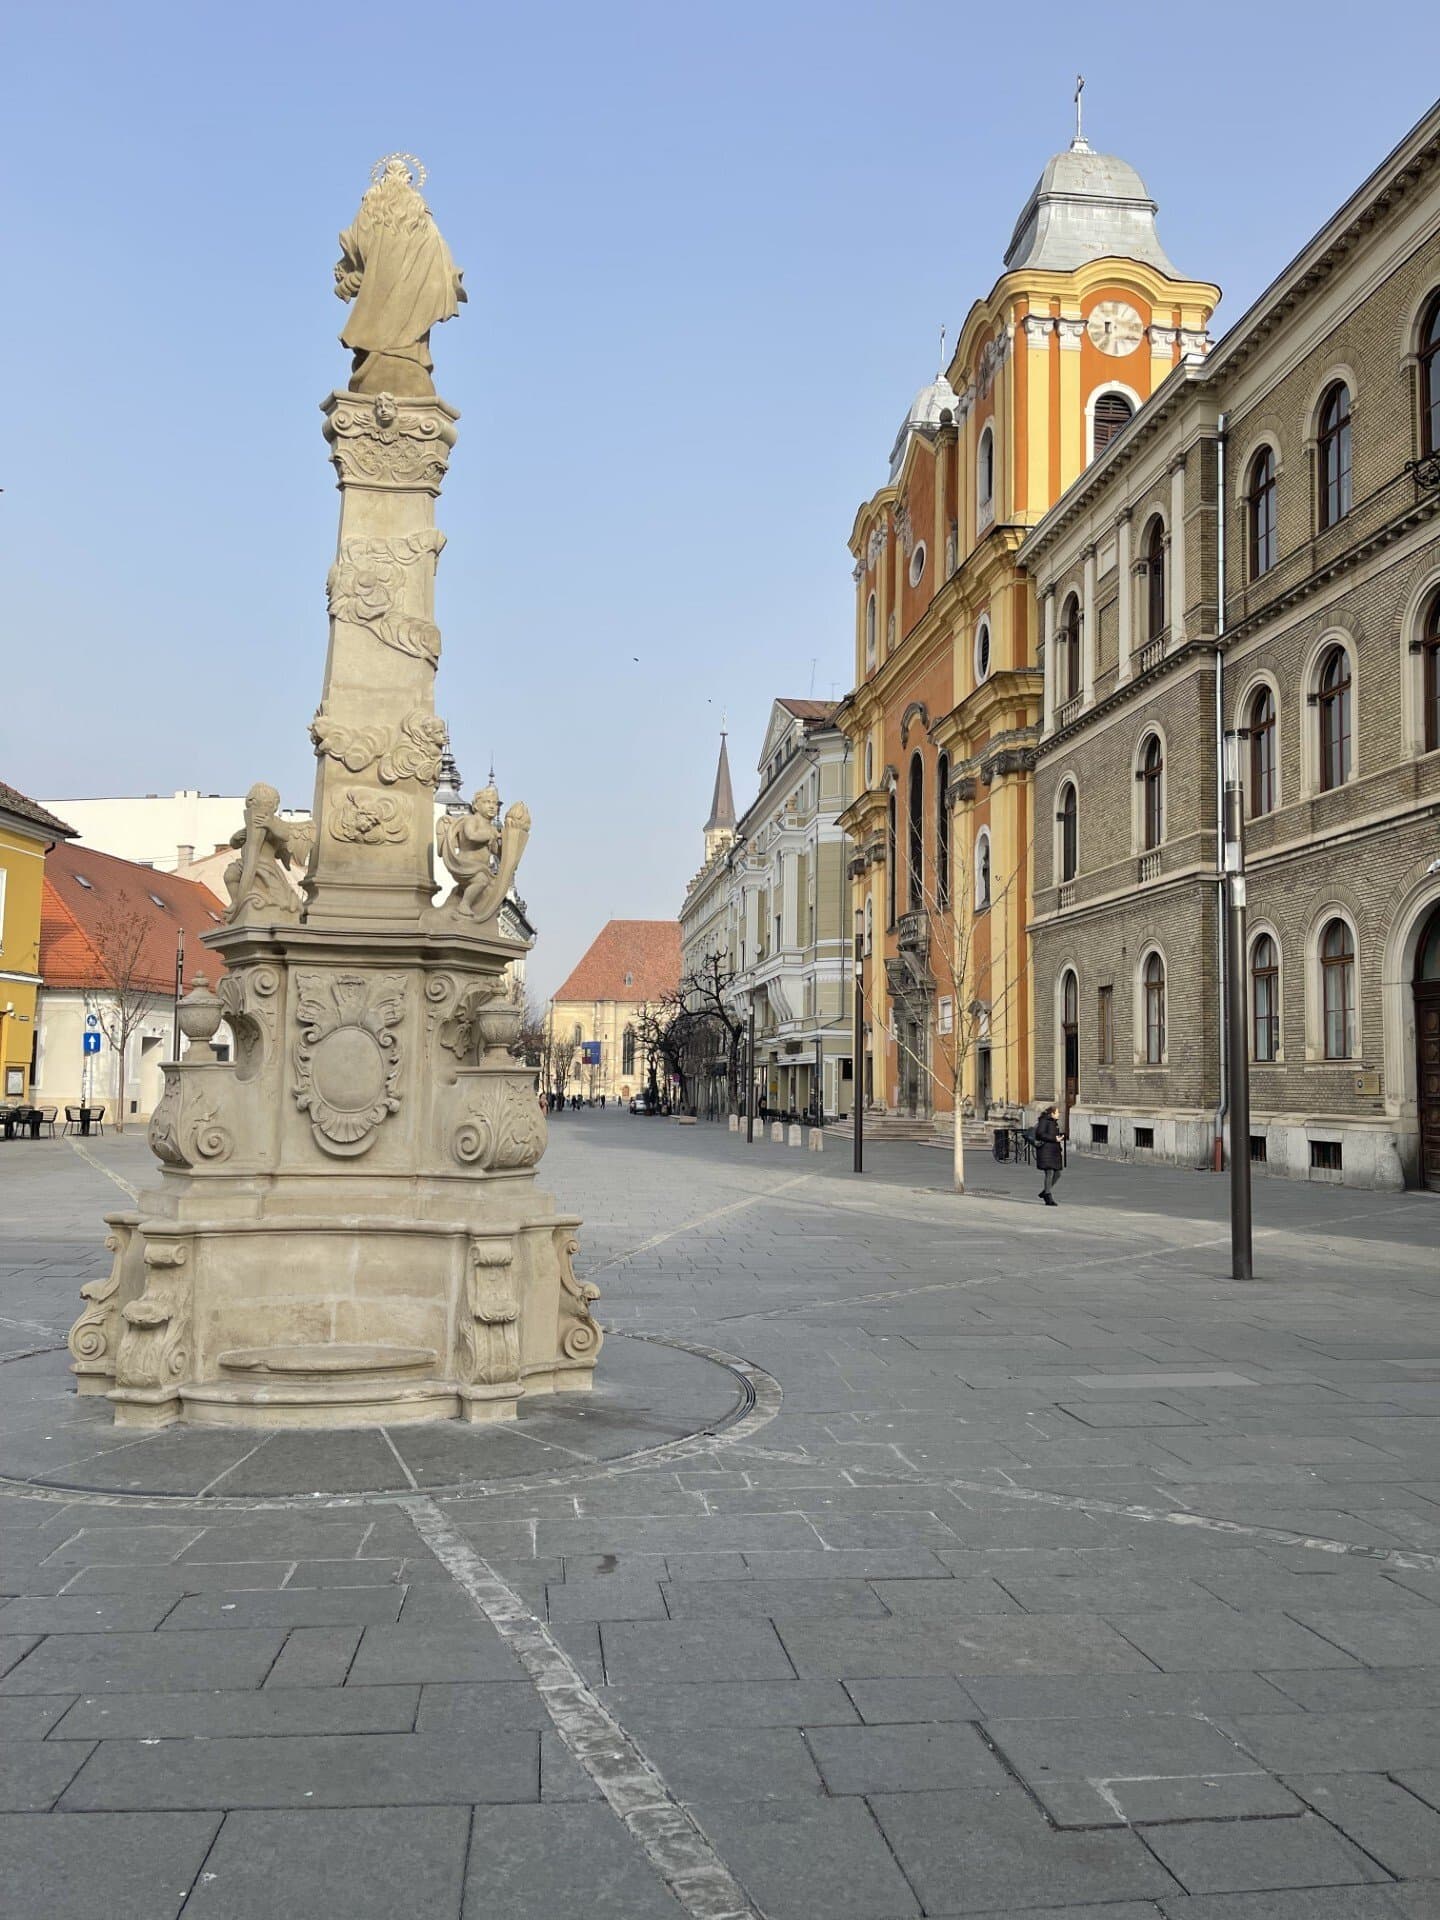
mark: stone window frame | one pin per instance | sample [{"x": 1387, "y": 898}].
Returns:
[
  {"x": 1152, "y": 730},
  {"x": 1106, "y": 387},
  {"x": 983, "y": 626},
  {"x": 916, "y": 570},
  {"x": 1061, "y": 878},
  {"x": 1144, "y": 608},
  {"x": 1339, "y": 372},
  {"x": 1070, "y": 651},
  {"x": 983, "y": 902},
  {"x": 1260, "y": 678},
  {"x": 1418, "y": 603},
  {"x": 985, "y": 499},
  {"x": 1315, "y": 1055},
  {"x": 1140, "y": 1009},
  {"x": 1312, "y": 785},
  {"x": 1425, "y": 307},
  {"x": 1265, "y": 930}
]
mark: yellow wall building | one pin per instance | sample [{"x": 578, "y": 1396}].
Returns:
[
  {"x": 27, "y": 833},
  {"x": 1085, "y": 322}
]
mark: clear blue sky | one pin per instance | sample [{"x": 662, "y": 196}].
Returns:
[{"x": 708, "y": 249}]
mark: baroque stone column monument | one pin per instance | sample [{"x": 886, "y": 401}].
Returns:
[{"x": 347, "y": 1229}]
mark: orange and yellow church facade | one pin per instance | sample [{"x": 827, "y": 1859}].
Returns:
[{"x": 1087, "y": 319}]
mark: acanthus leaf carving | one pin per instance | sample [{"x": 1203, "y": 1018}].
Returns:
[
  {"x": 355, "y": 748},
  {"x": 367, "y": 584},
  {"x": 154, "y": 1342},
  {"x": 388, "y": 444},
  {"x": 581, "y": 1336},
  {"x": 95, "y": 1335},
  {"x": 503, "y": 1128},
  {"x": 347, "y": 1059},
  {"x": 490, "y": 1329}
]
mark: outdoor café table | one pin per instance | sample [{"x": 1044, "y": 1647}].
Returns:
[{"x": 19, "y": 1118}]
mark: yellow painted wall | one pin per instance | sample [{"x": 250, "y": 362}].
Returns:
[{"x": 22, "y": 863}]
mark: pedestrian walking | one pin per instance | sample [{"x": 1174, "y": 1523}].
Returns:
[{"x": 1048, "y": 1156}]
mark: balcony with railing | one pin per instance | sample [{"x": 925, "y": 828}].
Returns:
[
  {"x": 912, "y": 933},
  {"x": 1149, "y": 866},
  {"x": 1067, "y": 895},
  {"x": 1070, "y": 711},
  {"x": 1149, "y": 656}
]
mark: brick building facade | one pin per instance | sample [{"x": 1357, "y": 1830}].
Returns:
[{"x": 1257, "y": 552}]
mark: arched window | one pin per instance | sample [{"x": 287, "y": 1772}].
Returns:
[
  {"x": 985, "y": 471},
  {"x": 1155, "y": 579},
  {"x": 982, "y": 651},
  {"x": 1333, "y": 455},
  {"x": 1430, "y": 673},
  {"x": 1333, "y": 693},
  {"x": 1261, "y": 503},
  {"x": 579, "y": 1034},
  {"x": 1152, "y": 979},
  {"x": 1260, "y": 719},
  {"x": 1152, "y": 793},
  {"x": 1337, "y": 990},
  {"x": 1430, "y": 378},
  {"x": 1069, "y": 644},
  {"x": 942, "y": 832},
  {"x": 1113, "y": 413},
  {"x": 627, "y": 1051},
  {"x": 892, "y": 853},
  {"x": 1069, "y": 820},
  {"x": 982, "y": 870},
  {"x": 1265, "y": 999},
  {"x": 916, "y": 835},
  {"x": 870, "y": 631},
  {"x": 1070, "y": 1034}
]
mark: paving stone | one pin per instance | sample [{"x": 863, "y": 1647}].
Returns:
[
  {"x": 101, "y": 1866},
  {"x": 1196, "y": 1639},
  {"x": 1391, "y": 1824},
  {"x": 757, "y": 1598},
  {"x": 182, "y": 1577},
  {"x": 1406, "y": 1637},
  {"x": 1258, "y": 1855},
  {"x": 605, "y": 1599},
  {"x": 963, "y": 1852},
  {"x": 732, "y": 1763},
  {"x": 720, "y": 1649},
  {"x": 144, "y": 1662},
  {"x": 561, "y": 1775},
  {"x": 31, "y": 1719},
  {"x": 904, "y": 1759},
  {"x": 731, "y": 1703},
  {"x": 809, "y": 1859},
  {"x": 565, "y": 1862},
  {"x": 379, "y": 1572},
  {"x": 854, "y": 1563},
  {"x": 883, "y": 1702},
  {"x": 1359, "y": 1742},
  {"x": 123, "y": 1546},
  {"x": 391, "y": 1656},
  {"x": 1132, "y": 1803},
  {"x": 1314, "y": 1903},
  {"x": 350, "y": 1770},
  {"x": 85, "y": 1613},
  {"x": 34, "y": 1773},
  {"x": 220, "y": 1715},
  {"x": 374, "y": 1862},
  {"x": 1356, "y": 1689},
  {"x": 314, "y": 1657},
  {"x": 312, "y": 1607},
  {"x": 474, "y": 1707},
  {"x": 1058, "y": 1643}
]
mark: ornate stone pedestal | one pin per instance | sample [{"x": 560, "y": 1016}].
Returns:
[{"x": 347, "y": 1228}]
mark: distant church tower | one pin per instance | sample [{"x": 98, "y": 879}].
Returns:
[{"x": 720, "y": 827}]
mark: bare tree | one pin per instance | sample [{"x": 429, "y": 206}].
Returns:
[
  {"x": 707, "y": 994},
  {"x": 970, "y": 988},
  {"x": 530, "y": 1041},
  {"x": 127, "y": 994}
]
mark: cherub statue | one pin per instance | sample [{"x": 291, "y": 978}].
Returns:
[
  {"x": 394, "y": 264},
  {"x": 481, "y": 854},
  {"x": 268, "y": 845}
]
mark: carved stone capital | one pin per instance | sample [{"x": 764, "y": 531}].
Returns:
[{"x": 388, "y": 443}]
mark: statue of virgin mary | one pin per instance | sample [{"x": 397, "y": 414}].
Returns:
[{"x": 394, "y": 264}]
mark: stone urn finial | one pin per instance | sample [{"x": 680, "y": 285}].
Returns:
[{"x": 200, "y": 1016}]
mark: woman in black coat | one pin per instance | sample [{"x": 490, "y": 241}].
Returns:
[{"x": 1048, "y": 1156}]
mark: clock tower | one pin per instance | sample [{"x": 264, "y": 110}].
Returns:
[{"x": 1088, "y": 318}]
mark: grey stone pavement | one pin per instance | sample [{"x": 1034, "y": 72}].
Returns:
[{"x": 930, "y": 1556}]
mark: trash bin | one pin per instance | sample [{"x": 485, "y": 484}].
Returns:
[{"x": 1002, "y": 1143}]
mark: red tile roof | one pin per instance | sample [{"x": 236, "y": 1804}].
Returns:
[
  {"x": 81, "y": 924},
  {"x": 648, "y": 950},
  {"x": 24, "y": 808}
]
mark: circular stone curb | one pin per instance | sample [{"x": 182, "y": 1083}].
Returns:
[{"x": 656, "y": 1399}]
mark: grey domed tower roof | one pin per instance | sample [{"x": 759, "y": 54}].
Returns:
[
  {"x": 923, "y": 417},
  {"x": 1086, "y": 206}
]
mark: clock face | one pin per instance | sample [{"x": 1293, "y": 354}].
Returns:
[{"x": 1115, "y": 327}]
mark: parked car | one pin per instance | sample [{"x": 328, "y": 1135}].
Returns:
[{"x": 642, "y": 1103}]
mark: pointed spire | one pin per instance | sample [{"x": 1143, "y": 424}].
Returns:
[
  {"x": 722, "y": 804},
  {"x": 448, "y": 793}
]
